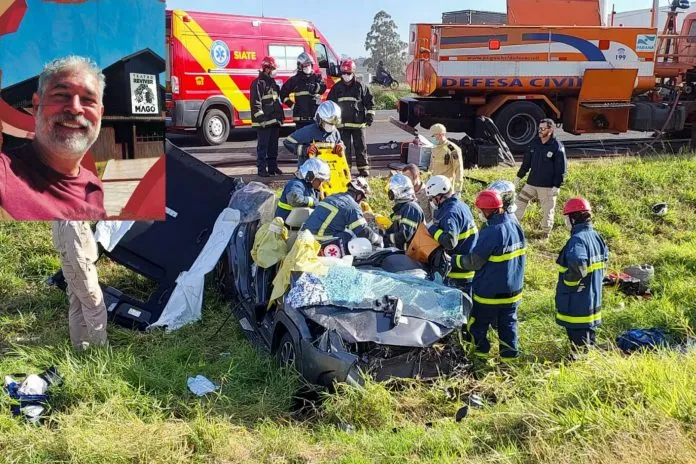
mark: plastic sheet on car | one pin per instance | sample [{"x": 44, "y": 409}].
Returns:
[
  {"x": 255, "y": 202},
  {"x": 354, "y": 288}
]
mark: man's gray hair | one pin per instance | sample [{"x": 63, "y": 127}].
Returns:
[{"x": 70, "y": 63}]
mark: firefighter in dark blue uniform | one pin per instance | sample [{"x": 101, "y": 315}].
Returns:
[
  {"x": 453, "y": 227},
  {"x": 357, "y": 111},
  {"x": 339, "y": 216},
  {"x": 582, "y": 265},
  {"x": 308, "y": 88},
  {"x": 406, "y": 214},
  {"x": 266, "y": 116},
  {"x": 499, "y": 260},
  {"x": 303, "y": 190},
  {"x": 322, "y": 133}
]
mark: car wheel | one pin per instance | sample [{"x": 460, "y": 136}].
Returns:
[
  {"x": 215, "y": 128},
  {"x": 518, "y": 123},
  {"x": 287, "y": 351}
]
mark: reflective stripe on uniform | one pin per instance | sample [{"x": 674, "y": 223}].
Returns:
[
  {"x": 497, "y": 301},
  {"x": 592, "y": 268},
  {"x": 579, "y": 319},
  {"x": 438, "y": 233},
  {"x": 347, "y": 99},
  {"x": 290, "y": 139},
  {"x": 284, "y": 206},
  {"x": 311, "y": 202},
  {"x": 269, "y": 97},
  {"x": 303, "y": 93},
  {"x": 258, "y": 113},
  {"x": 507, "y": 256},
  {"x": 372, "y": 112},
  {"x": 358, "y": 223},
  {"x": 333, "y": 211},
  {"x": 354, "y": 125},
  {"x": 466, "y": 234},
  {"x": 408, "y": 222},
  {"x": 265, "y": 123},
  {"x": 461, "y": 275}
]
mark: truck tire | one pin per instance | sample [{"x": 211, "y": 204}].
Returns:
[
  {"x": 518, "y": 123},
  {"x": 215, "y": 128}
]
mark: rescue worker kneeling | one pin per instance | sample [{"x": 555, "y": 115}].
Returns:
[
  {"x": 302, "y": 191},
  {"x": 406, "y": 214},
  {"x": 582, "y": 264},
  {"x": 322, "y": 133},
  {"x": 499, "y": 260},
  {"x": 453, "y": 227},
  {"x": 339, "y": 216}
]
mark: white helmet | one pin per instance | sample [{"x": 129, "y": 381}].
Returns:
[
  {"x": 359, "y": 184},
  {"x": 328, "y": 112},
  {"x": 400, "y": 188},
  {"x": 360, "y": 247},
  {"x": 506, "y": 189},
  {"x": 304, "y": 59},
  {"x": 315, "y": 168},
  {"x": 438, "y": 185}
]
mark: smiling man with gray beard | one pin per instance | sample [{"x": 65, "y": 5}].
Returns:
[{"x": 43, "y": 180}]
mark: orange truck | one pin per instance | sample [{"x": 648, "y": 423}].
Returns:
[
  {"x": 589, "y": 79},
  {"x": 213, "y": 58}
]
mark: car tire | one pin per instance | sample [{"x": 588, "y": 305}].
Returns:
[
  {"x": 518, "y": 123},
  {"x": 287, "y": 351},
  {"x": 215, "y": 128}
]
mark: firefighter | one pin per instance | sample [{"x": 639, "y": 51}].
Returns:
[
  {"x": 357, "y": 110},
  {"x": 340, "y": 216},
  {"x": 582, "y": 264},
  {"x": 446, "y": 158},
  {"x": 453, "y": 227},
  {"x": 546, "y": 163},
  {"x": 308, "y": 88},
  {"x": 406, "y": 214},
  {"x": 303, "y": 190},
  {"x": 323, "y": 132},
  {"x": 267, "y": 116},
  {"x": 499, "y": 260},
  {"x": 78, "y": 252}
]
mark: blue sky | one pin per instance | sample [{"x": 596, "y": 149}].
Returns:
[
  {"x": 346, "y": 23},
  {"x": 104, "y": 30}
]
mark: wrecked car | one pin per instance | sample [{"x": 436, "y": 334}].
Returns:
[{"x": 375, "y": 315}]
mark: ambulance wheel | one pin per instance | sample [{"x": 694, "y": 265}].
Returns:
[
  {"x": 215, "y": 128},
  {"x": 518, "y": 123}
]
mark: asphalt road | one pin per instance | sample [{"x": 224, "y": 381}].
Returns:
[{"x": 240, "y": 149}]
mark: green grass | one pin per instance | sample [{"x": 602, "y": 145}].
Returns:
[
  {"x": 130, "y": 403},
  {"x": 386, "y": 99}
]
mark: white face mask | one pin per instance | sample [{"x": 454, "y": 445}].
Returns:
[
  {"x": 433, "y": 204},
  {"x": 328, "y": 127},
  {"x": 273, "y": 73},
  {"x": 482, "y": 217},
  {"x": 347, "y": 77},
  {"x": 568, "y": 224},
  {"x": 307, "y": 70}
]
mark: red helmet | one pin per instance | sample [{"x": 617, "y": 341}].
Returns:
[
  {"x": 348, "y": 66},
  {"x": 269, "y": 62},
  {"x": 577, "y": 205},
  {"x": 489, "y": 199}
]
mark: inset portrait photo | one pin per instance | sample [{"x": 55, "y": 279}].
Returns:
[{"x": 82, "y": 116}]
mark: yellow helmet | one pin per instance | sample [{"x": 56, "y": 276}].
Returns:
[{"x": 438, "y": 129}]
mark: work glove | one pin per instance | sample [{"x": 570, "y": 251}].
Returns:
[
  {"x": 440, "y": 262},
  {"x": 312, "y": 151},
  {"x": 369, "y": 118},
  {"x": 516, "y": 182},
  {"x": 339, "y": 149},
  {"x": 554, "y": 191}
]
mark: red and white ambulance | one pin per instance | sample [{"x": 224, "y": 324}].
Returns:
[{"x": 213, "y": 58}]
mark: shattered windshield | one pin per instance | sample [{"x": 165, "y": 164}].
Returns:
[
  {"x": 255, "y": 201},
  {"x": 354, "y": 288}
]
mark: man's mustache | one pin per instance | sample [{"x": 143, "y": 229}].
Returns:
[{"x": 76, "y": 119}]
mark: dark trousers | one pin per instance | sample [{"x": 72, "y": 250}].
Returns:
[
  {"x": 267, "y": 147},
  {"x": 354, "y": 140},
  {"x": 581, "y": 338},
  {"x": 504, "y": 317}
]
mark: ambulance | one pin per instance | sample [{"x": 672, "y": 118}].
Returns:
[{"x": 213, "y": 58}]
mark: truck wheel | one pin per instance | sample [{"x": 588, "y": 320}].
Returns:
[
  {"x": 518, "y": 123},
  {"x": 215, "y": 128}
]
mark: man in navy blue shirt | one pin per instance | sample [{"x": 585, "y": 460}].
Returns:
[{"x": 546, "y": 164}]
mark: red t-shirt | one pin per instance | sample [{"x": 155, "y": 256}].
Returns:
[{"x": 32, "y": 191}]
